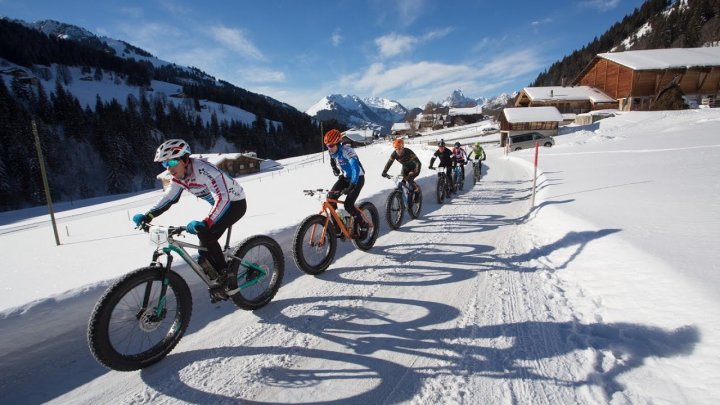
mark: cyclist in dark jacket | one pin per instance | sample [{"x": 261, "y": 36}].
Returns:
[
  {"x": 406, "y": 157},
  {"x": 410, "y": 166},
  {"x": 446, "y": 161}
]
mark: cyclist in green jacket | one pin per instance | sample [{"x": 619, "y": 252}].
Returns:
[{"x": 479, "y": 155}]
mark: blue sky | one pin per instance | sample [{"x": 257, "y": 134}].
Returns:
[{"x": 411, "y": 51}]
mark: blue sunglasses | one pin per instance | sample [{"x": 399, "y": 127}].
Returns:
[{"x": 170, "y": 163}]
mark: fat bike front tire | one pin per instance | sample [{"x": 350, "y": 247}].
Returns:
[
  {"x": 257, "y": 267},
  {"x": 131, "y": 328},
  {"x": 440, "y": 189},
  {"x": 313, "y": 252},
  {"x": 394, "y": 209}
]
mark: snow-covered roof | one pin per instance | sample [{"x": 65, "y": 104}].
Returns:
[
  {"x": 567, "y": 93},
  {"x": 650, "y": 59},
  {"x": 400, "y": 126},
  {"x": 465, "y": 111},
  {"x": 355, "y": 136},
  {"x": 217, "y": 158},
  {"x": 532, "y": 114}
]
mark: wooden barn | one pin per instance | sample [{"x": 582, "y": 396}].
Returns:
[
  {"x": 465, "y": 116},
  {"x": 636, "y": 78},
  {"x": 234, "y": 164},
  {"x": 544, "y": 120},
  {"x": 568, "y": 100}
]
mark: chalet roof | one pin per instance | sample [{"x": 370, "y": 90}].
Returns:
[
  {"x": 217, "y": 158},
  {"x": 400, "y": 126},
  {"x": 651, "y": 59},
  {"x": 551, "y": 93},
  {"x": 362, "y": 133},
  {"x": 465, "y": 111},
  {"x": 354, "y": 136},
  {"x": 532, "y": 114}
]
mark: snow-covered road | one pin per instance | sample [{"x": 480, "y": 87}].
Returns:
[{"x": 445, "y": 309}]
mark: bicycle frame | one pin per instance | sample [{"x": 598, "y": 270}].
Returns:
[
  {"x": 179, "y": 246},
  {"x": 329, "y": 211}
]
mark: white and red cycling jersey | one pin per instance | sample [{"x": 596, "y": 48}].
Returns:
[
  {"x": 206, "y": 181},
  {"x": 459, "y": 155}
]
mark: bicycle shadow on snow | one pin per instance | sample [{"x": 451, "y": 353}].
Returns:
[{"x": 373, "y": 335}]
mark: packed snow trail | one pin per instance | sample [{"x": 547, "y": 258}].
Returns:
[{"x": 451, "y": 308}]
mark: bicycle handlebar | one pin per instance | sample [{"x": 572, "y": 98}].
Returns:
[
  {"x": 315, "y": 191},
  {"x": 172, "y": 230}
]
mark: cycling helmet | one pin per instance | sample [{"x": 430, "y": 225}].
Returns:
[
  {"x": 332, "y": 137},
  {"x": 477, "y": 144},
  {"x": 172, "y": 149},
  {"x": 457, "y": 144},
  {"x": 398, "y": 143},
  {"x": 441, "y": 142}
]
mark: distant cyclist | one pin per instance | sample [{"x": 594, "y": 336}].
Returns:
[
  {"x": 446, "y": 160},
  {"x": 351, "y": 177},
  {"x": 205, "y": 181},
  {"x": 410, "y": 163},
  {"x": 460, "y": 157},
  {"x": 479, "y": 153}
]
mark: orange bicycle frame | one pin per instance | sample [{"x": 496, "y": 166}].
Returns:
[{"x": 329, "y": 211}]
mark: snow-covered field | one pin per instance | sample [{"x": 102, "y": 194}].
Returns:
[{"x": 604, "y": 291}]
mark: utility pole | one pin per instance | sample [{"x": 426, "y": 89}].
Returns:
[
  {"x": 322, "y": 142},
  {"x": 41, "y": 161}
]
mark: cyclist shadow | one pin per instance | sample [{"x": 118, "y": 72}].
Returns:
[{"x": 381, "y": 336}]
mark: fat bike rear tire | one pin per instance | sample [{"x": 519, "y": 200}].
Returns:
[{"x": 257, "y": 267}]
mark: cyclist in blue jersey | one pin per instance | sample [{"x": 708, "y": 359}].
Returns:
[{"x": 351, "y": 177}]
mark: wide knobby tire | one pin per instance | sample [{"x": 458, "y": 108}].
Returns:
[
  {"x": 394, "y": 209},
  {"x": 414, "y": 211},
  {"x": 124, "y": 334},
  {"x": 313, "y": 255},
  {"x": 369, "y": 211},
  {"x": 476, "y": 174},
  {"x": 440, "y": 189},
  {"x": 256, "y": 252}
]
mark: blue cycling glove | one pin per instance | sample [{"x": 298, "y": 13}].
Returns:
[
  {"x": 141, "y": 219},
  {"x": 194, "y": 226}
]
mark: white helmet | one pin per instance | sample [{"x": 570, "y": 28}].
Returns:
[{"x": 172, "y": 149}]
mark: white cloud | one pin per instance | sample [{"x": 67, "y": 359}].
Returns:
[
  {"x": 394, "y": 44},
  {"x": 336, "y": 38},
  {"x": 419, "y": 82},
  {"x": 236, "y": 40},
  {"x": 437, "y": 34},
  {"x": 409, "y": 10},
  {"x": 541, "y": 22},
  {"x": 602, "y": 5}
]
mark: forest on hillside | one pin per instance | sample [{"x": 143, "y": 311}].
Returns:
[{"x": 107, "y": 148}]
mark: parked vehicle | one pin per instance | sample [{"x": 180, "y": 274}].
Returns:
[
  {"x": 528, "y": 140},
  {"x": 489, "y": 130}
]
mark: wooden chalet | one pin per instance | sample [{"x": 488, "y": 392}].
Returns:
[
  {"x": 401, "y": 128},
  {"x": 464, "y": 116},
  {"x": 521, "y": 120},
  {"x": 358, "y": 137},
  {"x": 636, "y": 78},
  {"x": 234, "y": 164},
  {"x": 568, "y": 100}
]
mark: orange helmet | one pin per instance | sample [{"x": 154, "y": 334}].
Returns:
[
  {"x": 398, "y": 143},
  {"x": 332, "y": 137}
]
